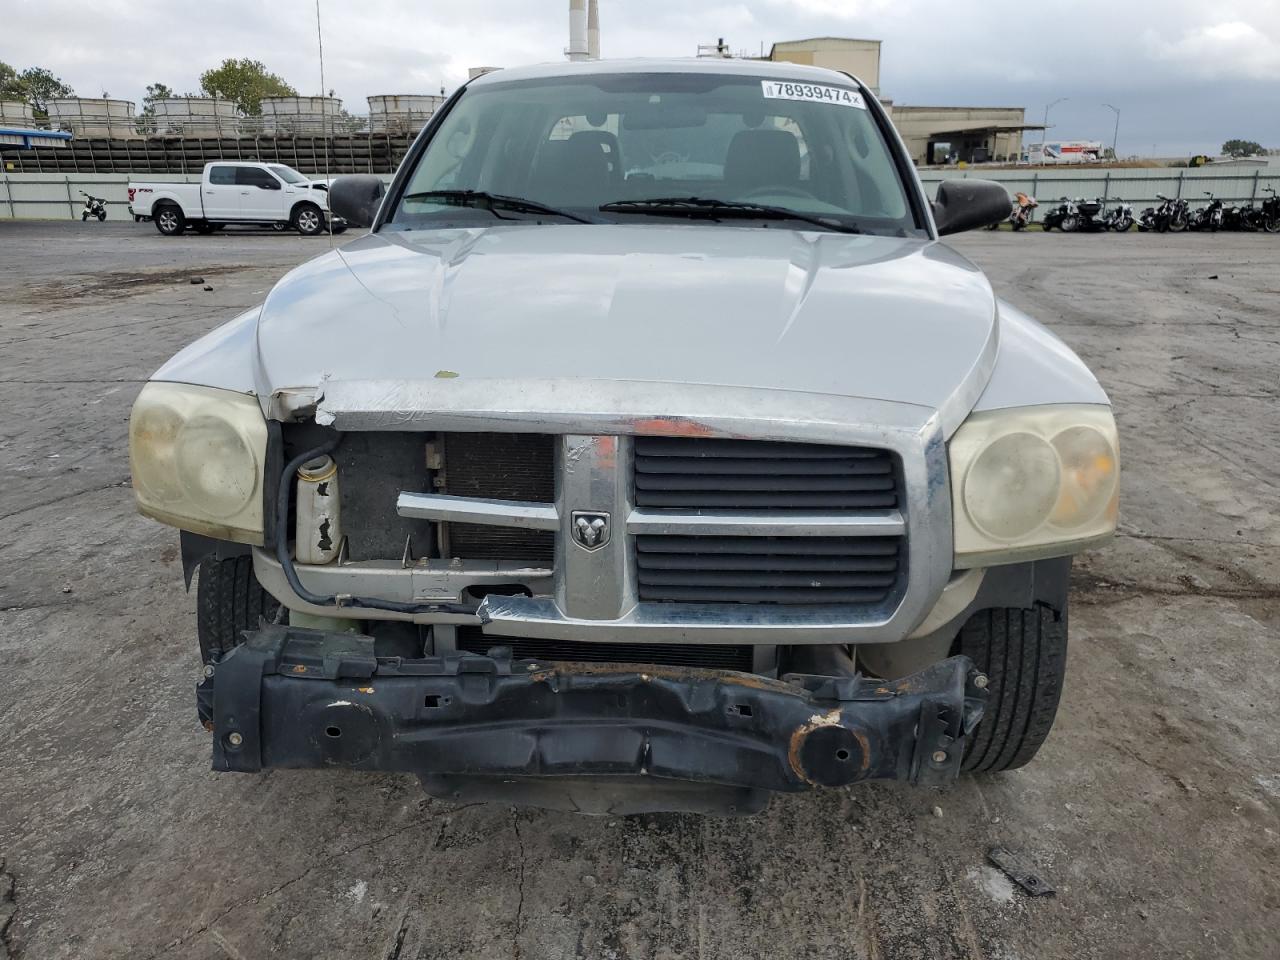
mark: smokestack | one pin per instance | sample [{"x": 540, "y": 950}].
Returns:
[
  {"x": 577, "y": 30},
  {"x": 593, "y": 30}
]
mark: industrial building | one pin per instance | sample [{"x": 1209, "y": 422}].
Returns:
[{"x": 933, "y": 135}]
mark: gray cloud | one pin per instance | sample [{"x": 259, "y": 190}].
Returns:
[{"x": 1186, "y": 75}]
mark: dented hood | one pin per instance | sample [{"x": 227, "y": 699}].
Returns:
[{"x": 891, "y": 319}]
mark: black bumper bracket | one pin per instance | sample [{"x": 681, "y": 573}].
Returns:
[{"x": 291, "y": 697}]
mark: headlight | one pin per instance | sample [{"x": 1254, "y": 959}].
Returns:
[
  {"x": 197, "y": 457},
  {"x": 1033, "y": 482}
]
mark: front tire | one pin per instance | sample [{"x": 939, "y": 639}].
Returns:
[
  {"x": 170, "y": 221},
  {"x": 101, "y": 215},
  {"x": 308, "y": 220},
  {"x": 1024, "y": 655},
  {"x": 229, "y": 601}
]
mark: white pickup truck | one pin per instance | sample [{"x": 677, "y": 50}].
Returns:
[{"x": 235, "y": 192}]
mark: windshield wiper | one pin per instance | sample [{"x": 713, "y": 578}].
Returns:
[
  {"x": 493, "y": 202},
  {"x": 710, "y": 207}
]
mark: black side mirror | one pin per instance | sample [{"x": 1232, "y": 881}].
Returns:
[
  {"x": 969, "y": 204},
  {"x": 356, "y": 198}
]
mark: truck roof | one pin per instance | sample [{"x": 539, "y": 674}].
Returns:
[{"x": 755, "y": 68}]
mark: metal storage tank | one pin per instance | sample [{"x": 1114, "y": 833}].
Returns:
[
  {"x": 15, "y": 113},
  {"x": 93, "y": 117},
  {"x": 195, "y": 117},
  {"x": 300, "y": 116},
  {"x": 402, "y": 113}
]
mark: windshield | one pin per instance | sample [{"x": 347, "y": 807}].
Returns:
[
  {"x": 287, "y": 174},
  {"x": 580, "y": 144}
]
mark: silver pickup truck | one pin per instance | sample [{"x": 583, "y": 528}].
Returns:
[{"x": 651, "y": 452}]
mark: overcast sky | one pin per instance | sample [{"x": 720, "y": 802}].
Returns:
[{"x": 1186, "y": 74}]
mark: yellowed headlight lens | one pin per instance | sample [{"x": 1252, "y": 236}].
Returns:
[
  {"x": 1090, "y": 470},
  {"x": 197, "y": 455},
  {"x": 1032, "y": 482}
]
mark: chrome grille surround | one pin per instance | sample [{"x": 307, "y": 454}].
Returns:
[{"x": 594, "y": 595}]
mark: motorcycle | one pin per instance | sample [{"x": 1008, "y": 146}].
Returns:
[
  {"x": 1091, "y": 216},
  {"x": 1268, "y": 218},
  {"x": 1022, "y": 214},
  {"x": 1147, "y": 220},
  {"x": 1119, "y": 218},
  {"x": 1171, "y": 215},
  {"x": 1024, "y": 210},
  {"x": 1242, "y": 217},
  {"x": 1208, "y": 217},
  {"x": 1064, "y": 216},
  {"x": 93, "y": 207}
]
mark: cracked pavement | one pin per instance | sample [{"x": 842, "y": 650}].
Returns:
[{"x": 1154, "y": 807}]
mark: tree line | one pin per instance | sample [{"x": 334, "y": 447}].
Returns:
[{"x": 242, "y": 81}]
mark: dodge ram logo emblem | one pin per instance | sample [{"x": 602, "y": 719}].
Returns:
[{"x": 591, "y": 530}]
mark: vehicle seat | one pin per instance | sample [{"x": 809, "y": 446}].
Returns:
[
  {"x": 761, "y": 158},
  {"x": 608, "y": 144},
  {"x": 574, "y": 172}
]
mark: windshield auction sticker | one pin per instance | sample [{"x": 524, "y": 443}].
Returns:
[{"x": 786, "y": 90}]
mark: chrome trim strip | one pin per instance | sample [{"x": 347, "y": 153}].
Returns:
[
  {"x": 691, "y": 523},
  {"x": 646, "y": 622},
  {"x": 494, "y": 513}
]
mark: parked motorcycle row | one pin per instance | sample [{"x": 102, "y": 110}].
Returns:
[{"x": 1173, "y": 215}]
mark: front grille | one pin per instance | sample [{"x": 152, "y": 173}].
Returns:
[
  {"x": 707, "y": 656},
  {"x": 701, "y": 474},
  {"x": 502, "y": 466},
  {"x": 798, "y": 570}
]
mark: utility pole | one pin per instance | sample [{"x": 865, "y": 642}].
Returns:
[
  {"x": 1045, "y": 130},
  {"x": 1115, "y": 137}
]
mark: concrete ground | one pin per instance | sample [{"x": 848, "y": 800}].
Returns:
[{"x": 1154, "y": 807}]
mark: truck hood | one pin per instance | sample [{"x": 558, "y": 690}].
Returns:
[{"x": 899, "y": 320}]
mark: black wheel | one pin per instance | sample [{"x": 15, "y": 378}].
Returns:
[
  {"x": 340, "y": 227},
  {"x": 1122, "y": 226},
  {"x": 169, "y": 220},
  {"x": 1271, "y": 224},
  {"x": 84, "y": 216},
  {"x": 1024, "y": 655},
  {"x": 102, "y": 215},
  {"x": 1070, "y": 224},
  {"x": 308, "y": 220},
  {"x": 229, "y": 600}
]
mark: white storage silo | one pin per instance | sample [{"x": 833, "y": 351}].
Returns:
[
  {"x": 196, "y": 117},
  {"x": 402, "y": 113},
  {"x": 93, "y": 117},
  {"x": 300, "y": 116}
]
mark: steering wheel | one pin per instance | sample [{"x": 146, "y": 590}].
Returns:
[
  {"x": 778, "y": 190},
  {"x": 668, "y": 156}
]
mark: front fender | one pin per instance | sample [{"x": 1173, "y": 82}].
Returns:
[{"x": 1034, "y": 367}]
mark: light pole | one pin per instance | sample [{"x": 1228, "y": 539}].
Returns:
[
  {"x": 1115, "y": 137},
  {"x": 1045, "y": 129}
]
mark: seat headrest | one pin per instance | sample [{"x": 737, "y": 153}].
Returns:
[{"x": 760, "y": 158}]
